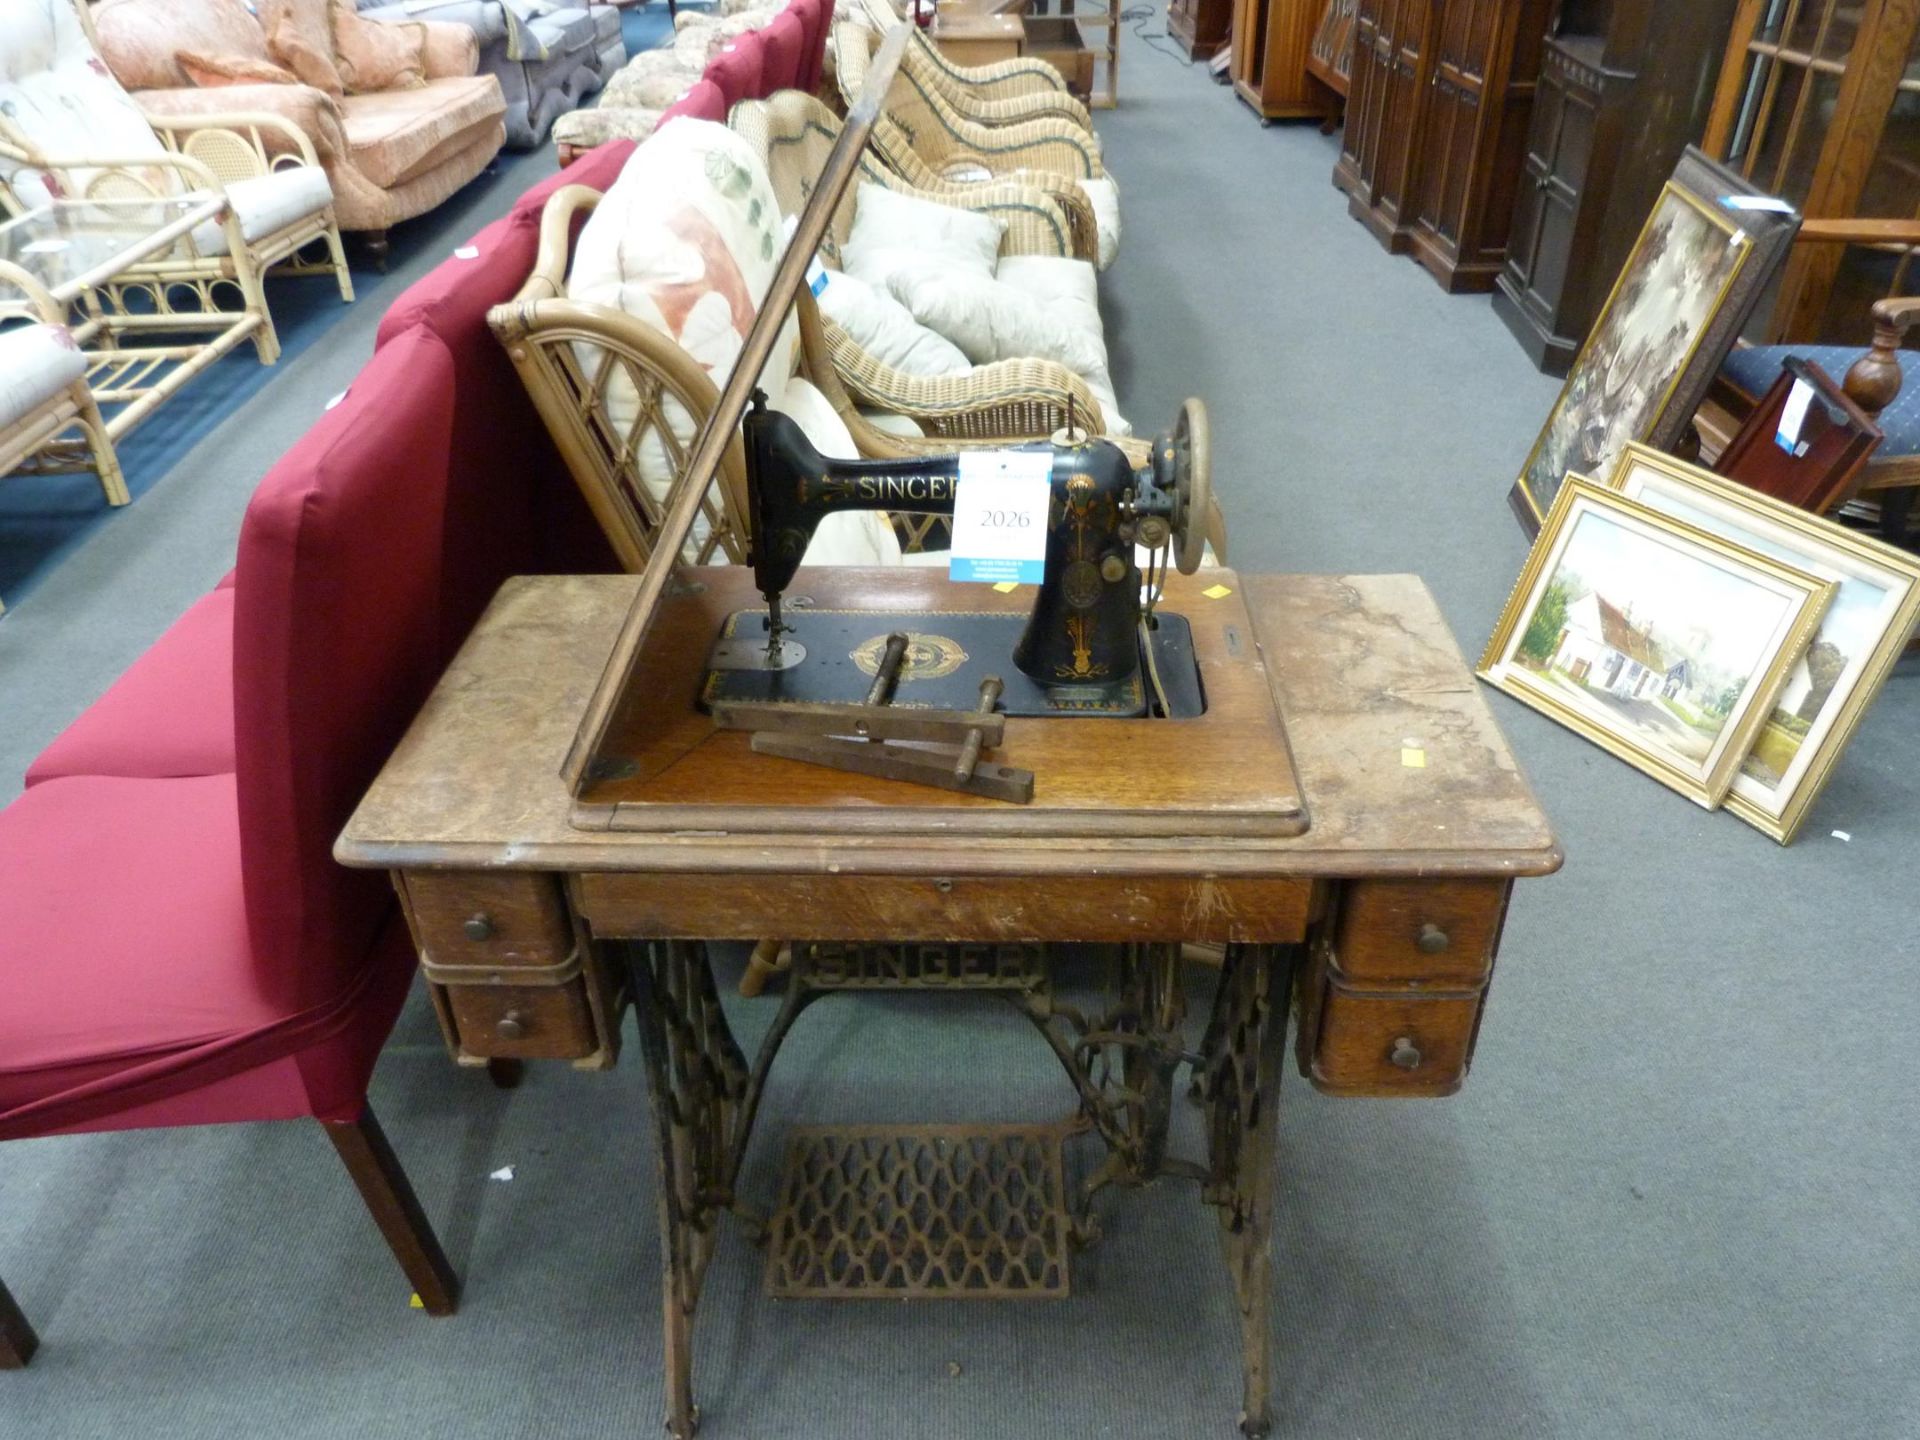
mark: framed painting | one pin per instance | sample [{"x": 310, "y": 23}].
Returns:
[
  {"x": 1657, "y": 640},
  {"x": 1874, "y": 610},
  {"x": 1708, "y": 250}
]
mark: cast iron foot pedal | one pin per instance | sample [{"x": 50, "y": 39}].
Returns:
[{"x": 935, "y": 1212}]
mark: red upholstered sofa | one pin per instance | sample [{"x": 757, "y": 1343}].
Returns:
[{"x": 177, "y": 945}]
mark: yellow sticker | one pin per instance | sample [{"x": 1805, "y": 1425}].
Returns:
[
  {"x": 1216, "y": 592},
  {"x": 1006, "y": 587},
  {"x": 1413, "y": 759},
  {"x": 414, "y": 1301}
]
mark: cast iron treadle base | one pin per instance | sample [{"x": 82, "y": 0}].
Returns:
[{"x": 933, "y": 1212}]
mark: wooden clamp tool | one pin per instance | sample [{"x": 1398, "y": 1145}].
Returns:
[{"x": 853, "y": 737}]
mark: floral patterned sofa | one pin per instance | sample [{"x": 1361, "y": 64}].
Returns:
[
  {"x": 390, "y": 153},
  {"x": 549, "y": 58}
]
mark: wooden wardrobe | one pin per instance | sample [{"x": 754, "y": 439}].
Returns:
[
  {"x": 1625, "y": 86},
  {"x": 1271, "y": 42},
  {"x": 1437, "y": 114}
]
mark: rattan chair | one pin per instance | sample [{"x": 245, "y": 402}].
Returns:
[
  {"x": 203, "y": 154},
  {"x": 569, "y": 353},
  {"x": 1002, "y": 93},
  {"x": 918, "y": 122},
  {"x": 44, "y": 396}
]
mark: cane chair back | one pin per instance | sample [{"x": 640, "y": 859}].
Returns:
[
  {"x": 917, "y": 117},
  {"x": 792, "y": 133},
  {"x": 572, "y": 357},
  {"x": 1025, "y": 86}
]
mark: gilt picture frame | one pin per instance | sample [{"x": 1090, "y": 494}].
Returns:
[
  {"x": 1657, "y": 640},
  {"x": 1710, "y": 248},
  {"x": 1859, "y": 640}
]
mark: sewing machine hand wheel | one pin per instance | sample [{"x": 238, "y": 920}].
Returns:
[{"x": 1191, "y": 466}]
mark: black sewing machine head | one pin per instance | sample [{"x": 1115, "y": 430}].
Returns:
[{"x": 1083, "y": 639}]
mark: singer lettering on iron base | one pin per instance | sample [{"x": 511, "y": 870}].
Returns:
[{"x": 886, "y": 489}]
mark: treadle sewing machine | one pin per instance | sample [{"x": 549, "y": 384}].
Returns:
[{"x": 1169, "y": 807}]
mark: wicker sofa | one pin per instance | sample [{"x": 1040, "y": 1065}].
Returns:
[{"x": 389, "y": 155}]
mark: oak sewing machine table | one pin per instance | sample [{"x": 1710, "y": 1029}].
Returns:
[
  {"x": 1375, "y": 921},
  {"x": 1297, "y": 770}
]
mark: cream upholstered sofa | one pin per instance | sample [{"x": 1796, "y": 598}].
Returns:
[{"x": 390, "y": 154}]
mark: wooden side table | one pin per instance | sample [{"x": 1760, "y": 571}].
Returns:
[{"x": 974, "y": 39}]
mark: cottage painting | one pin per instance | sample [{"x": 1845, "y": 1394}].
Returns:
[
  {"x": 1651, "y": 640},
  {"x": 1620, "y": 383}
]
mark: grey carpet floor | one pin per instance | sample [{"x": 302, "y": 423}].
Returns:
[{"x": 1676, "y": 1198}]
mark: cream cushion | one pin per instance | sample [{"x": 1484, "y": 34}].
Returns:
[
  {"x": 891, "y": 230},
  {"x": 686, "y": 241},
  {"x": 1104, "y": 195},
  {"x": 1036, "y": 310},
  {"x": 886, "y": 329},
  {"x": 58, "y": 97},
  {"x": 37, "y": 362},
  {"x": 267, "y": 204}
]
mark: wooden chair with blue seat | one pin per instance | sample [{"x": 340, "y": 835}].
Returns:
[{"x": 1874, "y": 377}]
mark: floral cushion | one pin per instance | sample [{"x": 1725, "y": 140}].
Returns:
[
  {"x": 211, "y": 72},
  {"x": 686, "y": 241},
  {"x": 59, "y": 100},
  {"x": 373, "y": 56},
  {"x": 294, "y": 48}
]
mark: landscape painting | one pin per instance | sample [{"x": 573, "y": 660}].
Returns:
[
  {"x": 1860, "y": 637},
  {"x": 1654, "y": 639},
  {"x": 1674, "y": 283}
]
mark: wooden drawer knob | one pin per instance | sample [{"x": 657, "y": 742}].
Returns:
[
  {"x": 1433, "y": 940},
  {"x": 1405, "y": 1053},
  {"x": 512, "y": 1026},
  {"x": 479, "y": 927}
]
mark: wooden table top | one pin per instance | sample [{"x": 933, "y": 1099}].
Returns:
[
  {"x": 1404, "y": 770},
  {"x": 1224, "y": 772}
]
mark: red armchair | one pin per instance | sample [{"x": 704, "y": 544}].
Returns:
[{"x": 183, "y": 950}]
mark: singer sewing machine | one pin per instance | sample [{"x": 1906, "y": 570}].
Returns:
[{"x": 1090, "y": 644}]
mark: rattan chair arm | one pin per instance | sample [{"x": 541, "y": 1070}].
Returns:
[
  {"x": 981, "y": 400},
  {"x": 237, "y": 122},
  {"x": 533, "y": 322},
  {"x": 1074, "y": 205},
  {"x": 1014, "y": 109}
]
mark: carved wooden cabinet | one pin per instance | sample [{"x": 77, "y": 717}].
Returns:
[
  {"x": 1271, "y": 42},
  {"x": 1436, "y": 126},
  {"x": 1389, "y": 76},
  {"x": 1624, "y": 87},
  {"x": 1200, "y": 27}
]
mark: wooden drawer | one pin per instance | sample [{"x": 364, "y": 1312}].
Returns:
[
  {"x": 523, "y": 1022},
  {"x": 509, "y": 978},
  {"x": 1433, "y": 934},
  {"x": 469, "y": 918},
  {"x": 1372, "y": 1043}
]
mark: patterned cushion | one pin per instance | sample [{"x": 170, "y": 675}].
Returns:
[
  {"x": 143, "y": 41},
  {"x": 58, "y": 98},
  {"x": 215, "y": 72},
  {"x": 373, "y": 56},
  {"x": 1754, "y": 371}
]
